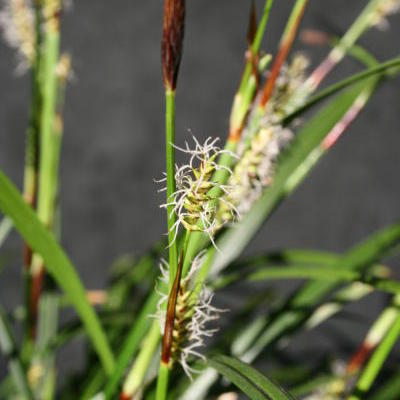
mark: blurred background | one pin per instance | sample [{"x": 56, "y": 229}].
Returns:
[{"x": 113, "y": 145}]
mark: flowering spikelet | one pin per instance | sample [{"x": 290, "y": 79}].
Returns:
[
  {"x": 51, "y": 10},
  {"x": 63, "y": 69},
  {"x": 256, "y": 167},
  {"x": 17, "y": 23},
  {"x": 384, "y": 9},
  {"x": 198, "y": 197},
  {"x": 286, "y": 97},
  {"x": 192, "y": 313}
]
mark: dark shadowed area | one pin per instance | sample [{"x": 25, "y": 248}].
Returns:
[{"x": 114, "y": 139}]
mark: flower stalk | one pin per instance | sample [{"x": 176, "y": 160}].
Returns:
[
  {"x": 171, "y": 184},
  {"x": 249, "y": 82},
  {"x": 373, "y": 14},
  {"x": 49, "y": 142},
  {"x": 378, "y": 358},
  {"x": 167, "y": 340},
  {"x": 284, "y": 48},
  {"x": 171, "y": 54}
]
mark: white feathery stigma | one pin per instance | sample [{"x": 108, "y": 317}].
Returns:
[
  {"x": 384, "y": 9},
  {"x": 192, "y": 314},
  {"x": 198, "y": 197},
  {"x": 17, "y": 24}
]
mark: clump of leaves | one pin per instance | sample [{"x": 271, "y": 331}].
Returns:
[{"x": 214, "y": 206}]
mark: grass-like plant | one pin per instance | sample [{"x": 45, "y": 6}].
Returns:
[{"x": 156, "y": 332}]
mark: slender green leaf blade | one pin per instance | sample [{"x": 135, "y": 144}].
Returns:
[
  {"x": 249, "y": 380},
  {"x": 296, "y": 311},
  {"x": 131, "y": 344},
  {"x": 57, "y": 264},
  {"x": 383, "y": 68},
  {"x": 390, "y": 389}
]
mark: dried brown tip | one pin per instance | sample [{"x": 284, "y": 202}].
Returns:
[
  {"x": 251, "y": 33},
  {"x": 172, "y": 41},
  {"x": 37, "y": 282}
]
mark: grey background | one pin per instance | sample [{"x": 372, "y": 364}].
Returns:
[{"x": 114, "y": 146}]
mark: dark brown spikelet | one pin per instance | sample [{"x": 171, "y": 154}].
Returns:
[{"x": 172, "y": 41}]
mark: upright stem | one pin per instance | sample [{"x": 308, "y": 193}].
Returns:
[
  {"x": 136, "y": 375},
  {"x": 32, "y": 159},
  {"x": 359, "y": 26},
  {"x": 171, "y": 187},
  {"x": 32, "y": 139},
  {"x": 49, "y": 153},
  {"x": 255, "y": 47},
  {"x": 162, "y": 382},
  {"x": 9, "y": 350},
  {"x": 248, "y": 84},
  {"x": 377, "y": 360},
  {"x": 284, "y": 47}
]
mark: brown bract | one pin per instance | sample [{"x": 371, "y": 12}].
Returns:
[
  {"x": 170, "y": 317},
  {"x": 172, "y": 41}
]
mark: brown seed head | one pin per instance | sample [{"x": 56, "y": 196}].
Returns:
[{"x": 172, "y": 41}]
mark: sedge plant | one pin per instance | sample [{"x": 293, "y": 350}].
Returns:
[{"x": 156, "y": 331}]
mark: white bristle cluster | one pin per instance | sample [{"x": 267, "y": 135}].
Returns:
[
  {"x": 193, "y": 313},
  {"x": 384, "y": 9},
  {"x": 256, "y": 168},
  {"x": 197, "y": 197},
  {"x": 17, "y": 24}
]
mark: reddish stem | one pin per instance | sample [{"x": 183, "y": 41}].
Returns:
[
  {"x": 280, "y": 59},
  {"x": 359, "y": 358},
  {"x": 34, "y": 297}
]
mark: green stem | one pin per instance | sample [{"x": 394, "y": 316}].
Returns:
[
  {"x": 362, "y": 23},
  {"x": 31, "y": 164},
  {"x": 162, "y": 382},
  {"x": 255, "y": 48},
  {"x": 136, "y": 376},
  {"x": 381, "y": 68},
  {"x": 377, "y": 360},
  {"x": 10, "y": 351},
  {"x": 171, "y": 187},
  {"x": 44, "y": 356},
  {"x": 50, "y": 142},
  {"x": 248, "y": 84}
]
